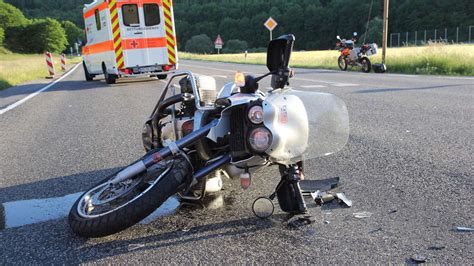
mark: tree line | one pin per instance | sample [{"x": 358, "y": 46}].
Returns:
[
  {"x": 38, "y": 35},
  {"x": 314, "y": 22}
]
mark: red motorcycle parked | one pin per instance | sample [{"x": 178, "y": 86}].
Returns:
[{"x": 355, "y": 56}]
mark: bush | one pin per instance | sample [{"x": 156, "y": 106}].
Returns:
[
  {"x": 73, "y": 32},
  {"x": 10, "y": 16},
  {"x": 235, "y": 46},
  {"x": 200, "y": 44},
  {"x": 37, "y": 37},
  {"x": 2, "y": 36}
]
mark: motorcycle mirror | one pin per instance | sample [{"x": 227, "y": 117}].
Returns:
[
  {"x": 263, "y": 207},
  {"x": 355, "y": 33},
  {"x": 278, "y": 59},
  {"x": 279, "y": 52}
]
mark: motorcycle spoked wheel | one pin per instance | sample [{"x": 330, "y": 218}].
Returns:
[
  {"x": 366, "y": 65},
  {"x": 342, "y": 62},
  {"x": 105, "y": 210}
]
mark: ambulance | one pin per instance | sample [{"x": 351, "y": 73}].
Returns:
[{"x": 129, "y": 38}]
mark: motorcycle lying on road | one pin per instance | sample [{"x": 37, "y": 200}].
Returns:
[
  {"x": 195, "y": 133},
  {"x": 354, "y": 56}
]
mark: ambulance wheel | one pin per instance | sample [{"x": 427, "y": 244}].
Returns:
[
  {"x": 88, "y": 76},
  {"x": 109, "y": 78}
]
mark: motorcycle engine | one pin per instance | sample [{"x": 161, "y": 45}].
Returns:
[{"x": 172, "y": 130}]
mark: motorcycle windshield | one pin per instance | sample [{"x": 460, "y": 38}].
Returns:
[{"x": 305, "y": 125}]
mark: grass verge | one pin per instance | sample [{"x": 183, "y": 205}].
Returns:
[
  {"x": 455, "y": 60},
  {"x": 19, "y": 68}
]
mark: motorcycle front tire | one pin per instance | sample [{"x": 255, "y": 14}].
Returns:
[
  {"x": 366, "y": 65},
  {"x": 136, "y": 209},
  {"x": 342, "y": 62}
]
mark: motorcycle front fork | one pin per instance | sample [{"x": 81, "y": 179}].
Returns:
[{"x": 288, "y": 190}]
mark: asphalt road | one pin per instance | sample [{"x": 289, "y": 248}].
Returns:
[{"x": 409, "y": 163}]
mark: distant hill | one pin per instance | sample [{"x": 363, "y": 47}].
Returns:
[{"x": 314, "y": 22}]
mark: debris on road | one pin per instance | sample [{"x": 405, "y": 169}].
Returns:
[
  {"x": 343, "y": 198},
  {"x": 417, "y": 258},
  {"x": 464, "y": 229},
  {"x": 436, "y": 247},
  {"x": 376, "y": 230},
  {"x": 392, "y": 211},
  {"x": 361, "y": 215},
  {"x": 321, "y": 197},
  {"x": 309, "y": 186}
]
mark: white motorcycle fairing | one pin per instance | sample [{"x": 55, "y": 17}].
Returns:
[{"x": 304, "y": 124}]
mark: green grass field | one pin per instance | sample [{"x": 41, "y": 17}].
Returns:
[
  {"x": 19, "y": 68},
  {"x": 456, "y": 60}
]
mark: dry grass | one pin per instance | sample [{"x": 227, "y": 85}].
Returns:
[
  {"x": 433, "y": 59},
  {"x": 19, "y": 68}
]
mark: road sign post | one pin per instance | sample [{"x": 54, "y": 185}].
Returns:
[
  {"x": 385, "y": 30},
  {"x": 270, "y": 24},
  {"x": 218, "y": 43}
]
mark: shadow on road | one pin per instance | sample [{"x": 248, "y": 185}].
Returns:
[
  {"x": 232, "y": 228},
  {"x": 54, "y": 187}
]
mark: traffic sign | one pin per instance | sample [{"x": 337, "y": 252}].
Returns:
[
  {"x": 218, "y": 43},
  {"x": 270, "y": 24}
]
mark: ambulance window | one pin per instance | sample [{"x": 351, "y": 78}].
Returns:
[
  {"x": 152, "y": 14},
  {"x": 130, "y": 15},
  {"x": 97, "y": 19}
]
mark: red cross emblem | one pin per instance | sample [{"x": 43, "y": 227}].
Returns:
[{"x": 134, "y": 44}]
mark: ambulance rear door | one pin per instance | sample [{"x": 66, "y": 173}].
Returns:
[{"x": 143, "y": 34}]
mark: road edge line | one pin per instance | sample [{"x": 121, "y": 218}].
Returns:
[{"x": 20, "y": 102}]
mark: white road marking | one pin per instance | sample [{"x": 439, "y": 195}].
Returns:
[
  {"x": 22, "y": 101},
  {"x": 312, "y": 86},
  {"x": 210, "y": 68},
  {"x": 313, "y": 80},
  {"x": 344, "y": 85},
  {"x": 220, "y": 76}
]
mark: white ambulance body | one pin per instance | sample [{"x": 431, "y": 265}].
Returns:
[{"x": 127, "y": 38}]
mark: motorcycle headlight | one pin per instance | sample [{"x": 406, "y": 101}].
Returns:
[
  {"x": 260, "y": 139},
  {"x": 256, "y": 114}
]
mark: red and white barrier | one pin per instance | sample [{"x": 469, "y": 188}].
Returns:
[
  {"x": 50, "y": 64},
  {"x": 63, "y": 62}
]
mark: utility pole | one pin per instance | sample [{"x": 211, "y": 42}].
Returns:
[{"x": 385, "y": 30}]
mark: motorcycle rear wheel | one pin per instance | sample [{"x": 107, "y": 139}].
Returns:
[
  {"x": 342, "y": 62},
  {"x": 144, "y": 194},
  {"x": 366, "y": 65}
]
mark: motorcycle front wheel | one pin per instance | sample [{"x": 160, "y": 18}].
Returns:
[
  {"x": 107, "y": 209},
  {"x": 342, "y": 62},
  {"x": 366, "y": 65}
]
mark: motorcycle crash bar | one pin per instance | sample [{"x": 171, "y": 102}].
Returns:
[{"x": 154, "y": 158}]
